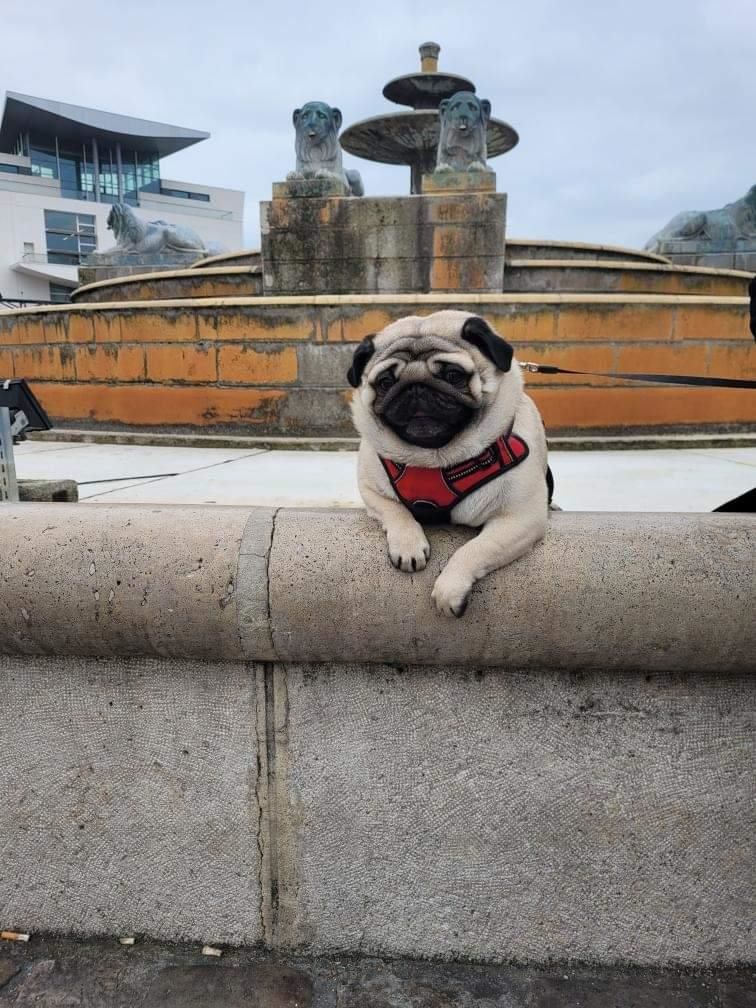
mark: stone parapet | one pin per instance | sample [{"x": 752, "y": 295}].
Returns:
[{"x": 243, "y": 726}]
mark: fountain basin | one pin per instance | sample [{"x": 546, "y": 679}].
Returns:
[
  {"x": 523, "y": 273},
  {"x": 277, "y": 365}
]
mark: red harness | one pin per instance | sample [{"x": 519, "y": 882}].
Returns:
[{"x": 432, "y": 494}]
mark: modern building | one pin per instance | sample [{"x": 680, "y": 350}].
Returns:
[{"x": 61, "y": 166}]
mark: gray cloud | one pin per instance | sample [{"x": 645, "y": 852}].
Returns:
[{"x": 627, "y": 112}]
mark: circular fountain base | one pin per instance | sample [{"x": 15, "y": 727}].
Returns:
[{"x": 277, "y": 365}]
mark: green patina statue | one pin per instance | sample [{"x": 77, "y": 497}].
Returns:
[
  {"x": 318, "y": 149},
  {"x": 462, "y": 142},
  {"x": 719, "y": 228}
]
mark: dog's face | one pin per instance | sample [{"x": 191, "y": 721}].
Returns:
[
  {"x": 316, "y": 121},
  {"x": 434, "y": 387}
]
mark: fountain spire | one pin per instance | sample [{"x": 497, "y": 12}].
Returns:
[{"x": 410, "y": 136}]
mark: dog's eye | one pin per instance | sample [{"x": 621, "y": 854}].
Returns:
[
  {"x": 385, "y": 381},
  {"x": 454, "y": 375}
]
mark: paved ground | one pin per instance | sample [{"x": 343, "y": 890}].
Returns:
[
  {"x": 693, "y": 479},
  {"x": 63, "y": 973}
]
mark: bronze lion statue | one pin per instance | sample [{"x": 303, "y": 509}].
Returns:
[
  {"x": 317, "y": 146},
  {"x": 462, "y": 142},
  {"x": 132, "y": 234},
  {"x": 726, "y": 225}
]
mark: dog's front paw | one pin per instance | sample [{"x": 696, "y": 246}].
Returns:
[
  {"x": 408, "y": 548},
  {"x": 451, "y": 593}
]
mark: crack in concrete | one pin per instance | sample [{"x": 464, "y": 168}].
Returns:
[{"x": 267, "y": 582}]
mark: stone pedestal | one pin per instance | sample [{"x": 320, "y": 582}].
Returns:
[
  {"x": 309, "y": 188},
  {"x": 458, "y": 182},
  {"x": 106, "y": 265},
  {"x": 739, "y": 253},
  {"x": 448, "y": 241}
]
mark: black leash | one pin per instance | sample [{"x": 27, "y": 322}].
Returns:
[{"x": 661, "y": 379}]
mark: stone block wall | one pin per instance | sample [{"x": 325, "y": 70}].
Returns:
[
  {"x": 278, "y": 365},
  {"x": 411, "y": 244},
  {"x": 195, "y": 748}
]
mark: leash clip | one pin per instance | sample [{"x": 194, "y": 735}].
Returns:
[{"x": 530, "y": 366}]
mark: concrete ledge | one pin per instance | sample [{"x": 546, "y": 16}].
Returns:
[
  {"x": 741, "y": 438},
  {"x": 659, "y": 592},
  {"x": 120, "y": 581}
]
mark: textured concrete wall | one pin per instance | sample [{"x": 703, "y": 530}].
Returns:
[
  {"x": 277, "y": 365},
  {"x": 283, "y": 742},
  {"x": 496, "y": 815},
  {"x": 127, "y": 798}
]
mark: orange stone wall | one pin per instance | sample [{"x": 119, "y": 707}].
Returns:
[{"x": 278, "y": 366}]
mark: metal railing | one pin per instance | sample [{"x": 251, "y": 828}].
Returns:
[
  {"x": 14, "y": 302},
  {"x": 44, "y": 257}
]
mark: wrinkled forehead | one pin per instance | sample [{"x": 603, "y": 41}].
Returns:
[
  {"x": 315, "y": 106},
  {"x": 444, "y": 325},
  {"x": 420, "y": 337},
  {"x": 463, "y": 98}
]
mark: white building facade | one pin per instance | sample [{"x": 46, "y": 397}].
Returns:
[{"x": 63, "y": 166}]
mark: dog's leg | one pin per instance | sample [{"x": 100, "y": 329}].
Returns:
[
  {"x": 407, "y": 545},
  {"x": 504, "y": 538}
]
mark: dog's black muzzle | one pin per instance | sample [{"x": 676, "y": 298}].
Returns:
[{"x": 425, "y": 416}]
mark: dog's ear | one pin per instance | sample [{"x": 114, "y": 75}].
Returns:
[
  {"x": 362, "y": 355},
  {"x": 295, "y": 116},
  {"x": 443, "y": 105},
  {"x": 485, "y": 108},
  {"x": 478, "y": 332},
  {"x": 336, "y": 118}
]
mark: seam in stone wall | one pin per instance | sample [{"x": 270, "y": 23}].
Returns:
[
  {"x": 261, "y": 798},
  {"x": 272, "y": 882}
]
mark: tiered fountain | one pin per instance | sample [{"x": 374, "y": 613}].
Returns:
[{"x": 261, "y": 342}]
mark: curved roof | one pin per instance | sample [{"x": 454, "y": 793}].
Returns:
[{"x": 74, "y": 122}]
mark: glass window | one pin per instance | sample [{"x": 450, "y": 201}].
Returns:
[
  {"x": 69, "y": 236},
  {"x": 62, "y": 242},
  {"x": 184, "y": 194},
  {"x": 59, "y": 294},
  {"x": 62, "y": 259}
]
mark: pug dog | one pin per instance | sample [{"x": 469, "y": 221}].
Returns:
[{"x": 448, "y": 435}]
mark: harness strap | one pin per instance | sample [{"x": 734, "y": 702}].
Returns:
[
  {"x": 661, "y": 379},
  {"x": 431, "y": 494}
]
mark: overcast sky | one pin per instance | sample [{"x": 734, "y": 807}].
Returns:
[{"x": 628, "y": 110}]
